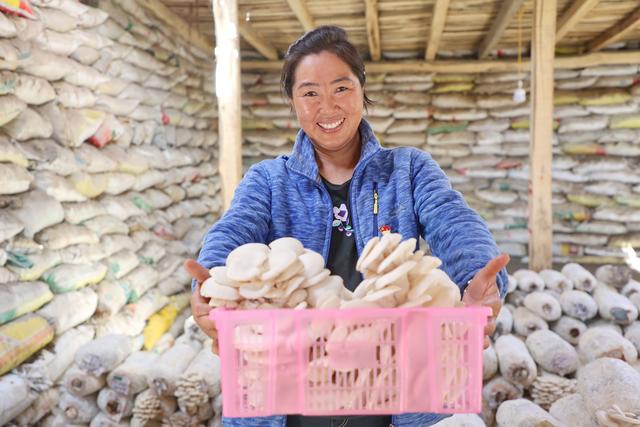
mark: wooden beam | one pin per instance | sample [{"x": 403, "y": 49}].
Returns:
[
  {"x": 507, "y": 10},
  {"x": 540, "y": 154},
  {"x": 258, "y": 42},
  {"x": 302, "y": 12},
  {"x": 616, "y": 32},
  {"x": 228, "y": 93},
  {"x": 373, "y": 29},
  {"x": 179, "y": 25},
  {"x": 477, "y": 66},
  {"x": 573, "y": 15},
  {"x": 172, "y": 4},
  {"x": 438, "y": 19}
]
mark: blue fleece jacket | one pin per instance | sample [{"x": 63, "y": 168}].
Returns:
[{"x": 285, "y": 197}]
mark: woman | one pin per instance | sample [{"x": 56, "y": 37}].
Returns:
[{"x": 338, "y": 189}]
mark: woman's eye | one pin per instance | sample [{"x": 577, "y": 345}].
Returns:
[
  {"x": 342, "y": 89},
  {"x": 310, "y": 93}
]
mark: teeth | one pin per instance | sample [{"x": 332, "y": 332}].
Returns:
[{"x": 331, "y": 125}]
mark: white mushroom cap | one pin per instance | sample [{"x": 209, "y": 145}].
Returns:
[{"x": 246, "y": 262}]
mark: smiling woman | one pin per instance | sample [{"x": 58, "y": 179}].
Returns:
[
  {"x": 338, "y": 189},
  {"x": 324, "y": 79}
]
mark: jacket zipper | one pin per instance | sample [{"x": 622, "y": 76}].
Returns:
[
  {"x": 375, "y": 209},
  {"x": 327, "y": 237}
]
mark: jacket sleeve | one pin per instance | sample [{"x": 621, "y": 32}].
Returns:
[
  {"x": 247, "y": 220},
  {"x": 455, "y": 233}
]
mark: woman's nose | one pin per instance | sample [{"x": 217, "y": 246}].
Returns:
[{"x": 328, "y": 103}]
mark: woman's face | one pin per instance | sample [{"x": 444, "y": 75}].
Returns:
[{"x": 328, "y": 100}]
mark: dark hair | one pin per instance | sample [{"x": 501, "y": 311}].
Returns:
[{"x": 324, "y": 38}]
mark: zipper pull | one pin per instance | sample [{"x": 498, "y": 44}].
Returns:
[{"x": 375, "y": 200}]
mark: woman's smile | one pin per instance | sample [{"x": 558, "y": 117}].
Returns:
[{"x": 331, "y": 127}]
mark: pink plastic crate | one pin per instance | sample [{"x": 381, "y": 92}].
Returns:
[{"x": 352, "y": 361}]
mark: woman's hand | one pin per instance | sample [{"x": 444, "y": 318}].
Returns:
[
  {"x": 483, "y": 290},
  {"x": 199, "y": 305}
]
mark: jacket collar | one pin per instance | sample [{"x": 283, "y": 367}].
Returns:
[{"x": 303, "y": 159}]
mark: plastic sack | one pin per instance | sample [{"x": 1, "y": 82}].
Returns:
[
  {"x": 17, "y": 7},
  {"x": 15, "y": 179},
  {"x": 107, "y": 224},
  {"x": 34, "y": 265},
  {"x": 72, "y": 127},
  {"x": 28, "y": 125},
  {"x": 11, "y": 152},
  {"x": 58, "y": 187},
  {"x": 160, "y": 322},
  {"x": 112, "y": 296},
  {"x": 38, "y": 211},
  {"x": 69, "y": 277},
  {"x": 76, "y": 213},
  {"x": 57, "y": 312},
  {"x": 18, "y": 298},
  {"x": 9, "y": 225},
  {"x": 62, "y": 235},
  {"x": 89, "y": 185},
  {"x": 21, "y": 338},
  {"x": 122, "y": 263}
]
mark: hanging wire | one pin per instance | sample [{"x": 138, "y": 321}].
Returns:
[
  {"x": 520, "y": 40},
  {"x": 520, "y": 95}
]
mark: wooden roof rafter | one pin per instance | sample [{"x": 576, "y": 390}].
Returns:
[
  {"x": 182, "y": 27},
  {"x": 474, "y": 66},
  {"x": 373, "y": 29},
  {"x": 615, "y": 33},
  {"x": 505, "y": 15},
  {"x": 573, "y": 15},
  {"x": 438, "y": 19},
  {"x": 302, "y": 12},
  {"x": 260, "y": 43}
]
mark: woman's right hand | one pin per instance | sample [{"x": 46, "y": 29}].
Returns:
[{"x": 199, "y": 305}]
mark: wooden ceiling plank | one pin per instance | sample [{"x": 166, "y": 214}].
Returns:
[
  {"x": 438, "y": 20},
  {"x": 302, "y": 12},
  {"x": 179, "y": 25},
  {"x": 373, "y": 29},
  {"x": 573, "y": 15},
  {"x": 475, "y": 66},
  {"x": 507, "y": 10},
  {"x": 259, "y": 42},
  {"x": 615, "y": 33}
]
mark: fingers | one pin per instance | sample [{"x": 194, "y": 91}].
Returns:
[
  {"x": 493, "y": 267},
  {"x": 196, "y": 298},
  {"x": 196, "y": 270},
  {"x": 484, "y": 282},
  {"x": 489, "y": 329}
]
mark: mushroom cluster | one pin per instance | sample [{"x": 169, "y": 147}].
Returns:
[{"x": 286, "y": 275}]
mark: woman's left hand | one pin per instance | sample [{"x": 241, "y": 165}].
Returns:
[{"x": 483, "y": 290}]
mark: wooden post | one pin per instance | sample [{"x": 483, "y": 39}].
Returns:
[
  {"x": 542, "y": 58},
  {"x": 225, "y": 13}
]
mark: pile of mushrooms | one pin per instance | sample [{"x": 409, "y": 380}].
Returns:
[{"x": 286, "y": 275}]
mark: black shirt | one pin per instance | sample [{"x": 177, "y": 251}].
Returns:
[
  {"x": 343, "y": 254},
  {"x": 342, "y": 260}
]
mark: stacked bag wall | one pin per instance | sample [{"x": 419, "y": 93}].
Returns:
[
  {"x": 480, "y": 137},
  {"x": 109, "y": 180}
]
